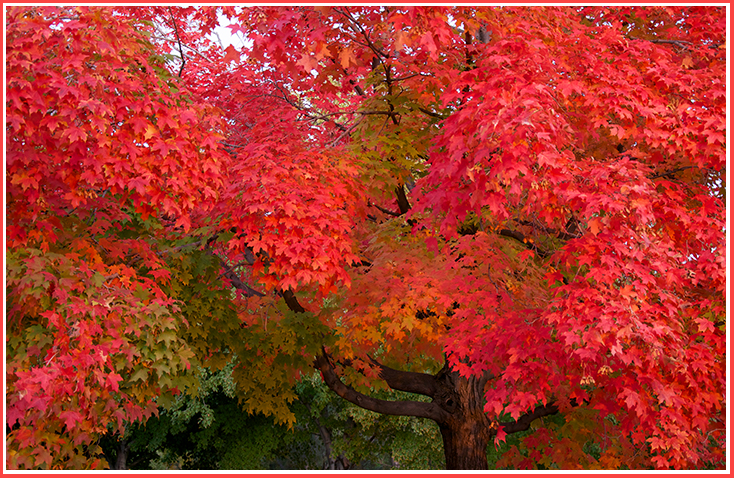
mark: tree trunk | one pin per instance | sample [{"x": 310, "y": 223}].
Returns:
[
  {"x": 122, "y": 451},
  {"x": 466, "y": 429},
  {"x": 457, "y": 407},
  {"x": 464, "y": 448}
]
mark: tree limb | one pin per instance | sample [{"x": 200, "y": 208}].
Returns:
[
  {"x": 431, "y": 113},
  {"x": 403, "y": 203},
  {"x": 526, "y": 242},
  {"x": 682, "y": 44},
  {"x": 386, "y": 407},
  {"x": 669, "y": 173},
  {"x": 180, "y": 47},
  {"x": 386, "y": 211},
  {"x": 292, "y": 302},
  {"x": 523, "y": 423},
  {"x": 412, "y": 382},
  {"x": 235, "y": 280}
]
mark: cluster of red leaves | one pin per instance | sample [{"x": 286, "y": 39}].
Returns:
[
  {"x": 98, "y": 141},
  {"x": 290, "y": 200},
  {"x": 644, "y": 297}
]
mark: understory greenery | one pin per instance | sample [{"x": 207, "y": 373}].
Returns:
[{"x": 209, "y": 430}]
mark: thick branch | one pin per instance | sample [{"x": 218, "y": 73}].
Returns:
[
  {"x": 386, "y": 407},
  {"x": 292, "y": 302},
  {"x": 412, "y": 382},
  {"x": 403, "y": 203},
  {"x": 523, "y": 423},
  {"x": 235, "y": 280}
]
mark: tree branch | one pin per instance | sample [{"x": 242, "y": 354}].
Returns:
[
  {"x": 292, "y": 302},
  {"x": 235, "y": 280},
  {"x": 412, "y": 382},
  {"x": 523, "y": 423},
  {"x": 682, "y": 44},
  {"x": 180, "y": 47},
  {"x": 386, "y": 211},
  {"x": 386, "y": 407},
  {"x": 526, "y": 242},
  {"x": 403, "y": 203},
  {"x": 669, "y": 173},
  {"x": 432, "y": 113}
]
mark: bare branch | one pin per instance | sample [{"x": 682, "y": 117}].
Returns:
[{"x": 180, "y": 47}]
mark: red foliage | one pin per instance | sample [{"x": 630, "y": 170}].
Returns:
[{"x": 535, "y": 192}]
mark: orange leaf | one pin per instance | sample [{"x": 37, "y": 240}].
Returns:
[{"x": 594, "y": 226}]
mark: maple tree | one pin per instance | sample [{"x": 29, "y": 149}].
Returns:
[{"x": 516, "y": 212}]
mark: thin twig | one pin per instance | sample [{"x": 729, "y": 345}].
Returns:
[
  {"x": 191, "y": 49},
  {"x": 386, "y": 211},
  {"x": 180, "y": 47},
  {"x": 669, "y": 173},
  {"x": 682, "y": 44},
  {"x": 349, "y": 130}
]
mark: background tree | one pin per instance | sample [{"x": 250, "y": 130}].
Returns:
[
  {"x": 516, "y": 212},
  {"x": 207, "y": 429}
]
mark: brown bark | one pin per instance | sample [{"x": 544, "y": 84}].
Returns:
[
  {"x": 466, "y": 429},
  {"x": 387, "y": 407},
  {"x": 457, "y": 408},
  {"x": 122, "y": 451},
  {"x": 403, "y": 203}
]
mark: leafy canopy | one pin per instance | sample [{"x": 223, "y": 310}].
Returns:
[{"x": 533, "y": 193}]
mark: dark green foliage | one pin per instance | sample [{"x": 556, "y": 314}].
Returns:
[{"x": 210, "y": 431}]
